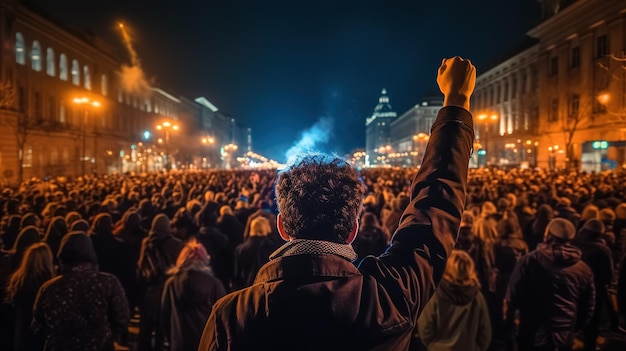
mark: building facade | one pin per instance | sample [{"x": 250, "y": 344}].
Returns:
[
  {"x": 562, "y": 101},
  {"x": 377, "y": 128},
  {"x": 67, "y": 108}
]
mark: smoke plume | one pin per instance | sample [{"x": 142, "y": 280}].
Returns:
[
  {"x": 311, "y": 138},
  {"x": 133, "y": 79}
]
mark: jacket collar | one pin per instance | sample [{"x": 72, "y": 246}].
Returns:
[{"x": 308, "y": 265}]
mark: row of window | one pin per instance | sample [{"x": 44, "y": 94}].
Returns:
[
  {"x": 36, "y": 63},
  {"x": 601, "y": 50}
]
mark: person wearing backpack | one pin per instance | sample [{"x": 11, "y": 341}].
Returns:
[{"x": 159, "y": 252}]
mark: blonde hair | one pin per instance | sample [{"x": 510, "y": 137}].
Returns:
[
  {"x": 226, "y": 210},
  {"x": 35, "y": 269},
  {"x": 460, "y": 269},
  {"x": 260, "y": 226}
]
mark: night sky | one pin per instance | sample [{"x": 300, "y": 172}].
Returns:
[{"x": 280, "y": 66}]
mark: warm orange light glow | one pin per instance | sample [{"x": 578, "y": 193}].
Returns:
[
  {"x": 604, "y": 98},
  {"x": 175, "y": 127},
  {"x": 166, "y": 124},
  {"x": 159, "y": 127}
]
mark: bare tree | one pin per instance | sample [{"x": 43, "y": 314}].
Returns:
[{"x": 9, "y": 108}]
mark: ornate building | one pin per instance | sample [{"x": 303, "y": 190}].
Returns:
[
  {"x": 377, "y": 128},
  {"x": 66, "y": 106},
  {"x": 569, "y": 104}
]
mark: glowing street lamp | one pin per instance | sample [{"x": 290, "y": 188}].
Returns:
[
  {"x": 487, "y": 119},
  {"x": 166, "y": 127},
  {"x": 85, "y": 102}
]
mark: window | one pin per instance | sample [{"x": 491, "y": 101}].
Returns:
[
  {"x": 574, "y": 106},
  {"x": 35, "y": 56},
  {"x": 52, "y": 108},
  {"x": 87, "y": 77},
  {"x": 38, "y": 109},
  {"x": 50, "y": 64},
  {"x": 54, "y": 156},
  {"x": 514, "y": 87},
  {"x": 554, "y": 111},
  {"x": 554, "y": 66},
  {"x": 602, "y": 46},
  {"x": 20, "y": 54},
  {"x": 103, "y": 85},
  {"x": 62, "y": 112},
  {"x": 506, "y": 91},
  {"x": 120, "y": 96},
  {"x": 27, "y": 157},
  {"x": 574, "y": 61},
  {"x": 524, "y": 82},
  {"x": 148, "y": 105},
  {"x": 498, "y": 94},
  {"x": 75, "y": 72},
  {"x": 63, "y": 67}
]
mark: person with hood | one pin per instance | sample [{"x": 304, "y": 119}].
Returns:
[
  {"x": 114, "y": 255},
  {"x": 28, "y": 236},
  {"x": 82, "y": 308},
  {"x": 188, "y": 297},
  {"x": 159, "y": 252},
  {"x": 550, "y": 316},
  {"x": 456, "y": 317},
  {"x": 597, "y": 255},
  {"x": 35, "y": 269}
]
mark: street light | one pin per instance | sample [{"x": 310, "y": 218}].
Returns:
[
  {"x": 418, "y": 141},
  {"x": 487, "y": 119},
  {"x": 229, "y": 149},
  {"x": 208, "y": 141},
  {"x": 166, "y": 127},
  {"x": 84, "y": 101}
]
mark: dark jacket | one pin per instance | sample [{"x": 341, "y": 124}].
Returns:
[
  {"x": 371, "y": 240},
  {"x": 82, "y": 309},
  {"x": 598, "y": 257},
  {"x": 323, "y": 302},
  {"x": 219, "y": 248},
  {"x": 249, "y": 258},
  {"x": 188, "y": 298},
  {"x": 550, "y": 315},
  {"x": 455, "y": 318}
]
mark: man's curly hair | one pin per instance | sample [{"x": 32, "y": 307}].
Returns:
[{"x": 319, "y": 197}]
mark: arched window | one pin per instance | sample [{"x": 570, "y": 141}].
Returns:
[
  {"x": 35, "y": 56},
  {"x": 75, "y": 72},
  {"x": 87, "y": 77},
  {"x": 63, "y": 67},
  {"x": 50, "y": 64},
  {"x": 103, "y": 85},
  {"x": 20, "y": 54}
]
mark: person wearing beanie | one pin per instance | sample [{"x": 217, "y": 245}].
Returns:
[
  {"x": 82, "y": 308},
  {"x": 597, "y": 255},
  {"x": 551, "y": 315},
  {"x": 159, "y": 252}
]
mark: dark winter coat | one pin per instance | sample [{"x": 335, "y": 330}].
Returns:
[
  {"x": 81, "y": 309},
  {"x": 371, "y": 240},
  {"x": 553, "y": 290},
  {"x": 220, "y": 250},
  {"x": 323, "y": 302},
  {"x": 455, "y": 318},
  {"x": 249, "y": 258},
  {"x": 598, "y": 257},
  {"x": 188, "y": 299}
]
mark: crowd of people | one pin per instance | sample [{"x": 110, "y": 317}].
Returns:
[
  {"x": 320, "y": 255},
  {"x": 170, "y": 245}
]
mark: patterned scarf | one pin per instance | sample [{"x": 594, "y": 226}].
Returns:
[{"x": 314, "y": 247}]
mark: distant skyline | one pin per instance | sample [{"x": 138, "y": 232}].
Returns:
[{"x": 283, "y": 67}]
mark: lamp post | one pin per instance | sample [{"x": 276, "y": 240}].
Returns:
[
  {"x": 209, "y": 140},
  {"x": 166, "y": 127},
  {"x": 487, "y": 119},
  {"x": 229, "y": 149},
  {"x": 85, "y": 102}
]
